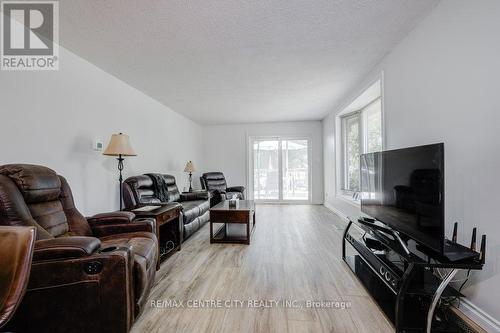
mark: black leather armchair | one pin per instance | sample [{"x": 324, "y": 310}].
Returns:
[
  {"x": 215, "y": 182},
  {"x": 140, "y": 190}
]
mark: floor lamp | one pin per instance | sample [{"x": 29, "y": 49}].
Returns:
[{"x": 119, "y": 145}]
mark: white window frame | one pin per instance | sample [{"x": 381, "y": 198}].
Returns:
[
  {"x": 341, "y": 160},
  {"x": 250, "y": 165},
  {"x": 344, "y": 119}
]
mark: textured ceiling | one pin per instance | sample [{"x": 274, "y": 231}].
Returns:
[{"x": 239, "y": 60}]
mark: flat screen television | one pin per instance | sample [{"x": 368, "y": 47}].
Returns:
[{"x": 404, "y": 189}]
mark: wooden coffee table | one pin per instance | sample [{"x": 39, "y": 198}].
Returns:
[{"x": 241, "y": 217}]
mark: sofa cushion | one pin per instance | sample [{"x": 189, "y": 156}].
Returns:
[
  {"x": 190, "y": 210},
  {"x": 41, "y": 189},
  {"x": 142, "y": 243},
  {"x": 36, "y": 183},
  {"x": 214, "y": 181},
  {"x": 139, "y": 190},
  {"x": 196, "y": 224},
  {"x": 173, "y": 191},
  {"x": 50, "y": 216},
  {"x": 13, "y": 209},
  {"x": 193, "y": 209}
]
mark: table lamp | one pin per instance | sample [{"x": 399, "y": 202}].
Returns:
[
  {"x": 119, "y": 145},
  {"x": 190, "y": 168}
]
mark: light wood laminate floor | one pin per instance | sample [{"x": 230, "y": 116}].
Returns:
[{"x": 295, "y": 255}]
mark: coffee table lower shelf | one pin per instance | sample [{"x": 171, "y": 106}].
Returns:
[{"x": 221, "y": 235}]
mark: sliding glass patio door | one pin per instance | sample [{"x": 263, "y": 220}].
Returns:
[
  {"x": 279, "y": 169},
  {"x": 266, "y": 170}
]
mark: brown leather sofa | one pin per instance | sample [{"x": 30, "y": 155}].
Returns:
[
  {"x": 140, "y": 190},
  {"x": 16, "y": 252},
  {"x": 88, "y": 274},
  {"x": 215, "y": 182}
]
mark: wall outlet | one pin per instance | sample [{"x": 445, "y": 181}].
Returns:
[{"x": 97, "y": 145}]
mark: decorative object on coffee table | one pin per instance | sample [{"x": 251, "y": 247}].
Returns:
[
  {"x": 233, "y": 203},
  {"x": 119, "y": 145},
  {"x": 238, "y": 222},
  {"x": 190, "y": 168}
]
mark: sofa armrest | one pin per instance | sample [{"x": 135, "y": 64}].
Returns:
[
  {"x": 200, "y": 195},
  {"x": 103, "y": 281},
  {"x": 65, "y": 248},
  {"x": 139, "y": 225},
  {"x": 111, "y": 218},
  {"x": 240, "y": 189}
]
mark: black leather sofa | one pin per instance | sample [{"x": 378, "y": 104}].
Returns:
[
  {"x": 140, "y": 190},
  {"x": 216, "y": 184}
]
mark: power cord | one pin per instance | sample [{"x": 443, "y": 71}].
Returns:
[{"x": 449, "y": 300}]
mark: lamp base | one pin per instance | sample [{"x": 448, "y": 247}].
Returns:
[
  {"x": 190, "y": 182},
  {"x": 120, "y": 178}
]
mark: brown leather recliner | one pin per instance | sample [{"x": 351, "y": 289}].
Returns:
[
  {"x": 16, "y": 252},
  {"x": 87, "y": 275}
]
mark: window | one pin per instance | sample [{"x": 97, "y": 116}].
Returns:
[
  {"x": 361, "y": 133},
  {"x": 351, "y": 129}
]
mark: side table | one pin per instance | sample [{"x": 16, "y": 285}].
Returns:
[{"x": 168, "y": 226}]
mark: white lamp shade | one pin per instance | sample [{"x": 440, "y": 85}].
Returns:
[
  {"x": 189, "y": 167},
  {"x": 119, "y": 145}
]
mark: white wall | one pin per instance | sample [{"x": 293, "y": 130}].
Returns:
[
  {"x": 225, "y": 149},
  {"x": 441, "y": 85},
  {"x": 51, "y": 118}
]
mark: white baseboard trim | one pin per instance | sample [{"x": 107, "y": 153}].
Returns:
[
  {"x": 336, "y": 211},
  {"x": 480, "y": 317}
]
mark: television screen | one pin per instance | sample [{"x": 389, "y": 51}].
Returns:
[{"x": 404, "y": 188}]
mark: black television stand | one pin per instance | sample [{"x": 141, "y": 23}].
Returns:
[
  {"x": 401, "y": 276},
  {"x": 387, "y": 230}
]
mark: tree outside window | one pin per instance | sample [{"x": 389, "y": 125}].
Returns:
[{"x": 361, "y": 133}]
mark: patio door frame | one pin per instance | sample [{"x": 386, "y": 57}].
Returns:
[{"x": 250, "y": 167}]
